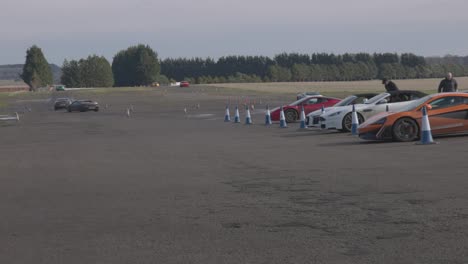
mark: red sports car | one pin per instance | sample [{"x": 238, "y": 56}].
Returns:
[
  {"x": 184, "y": 84},
  {"x": 311, "y": 103}
]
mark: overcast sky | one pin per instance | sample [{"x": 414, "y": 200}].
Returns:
[{"x": 67, "y": 29}]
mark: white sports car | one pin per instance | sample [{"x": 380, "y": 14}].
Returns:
[
  {"x": 313, "y": 118},
  {"x": 9, "y": 117},
  {"x": 340, "y": 117}
]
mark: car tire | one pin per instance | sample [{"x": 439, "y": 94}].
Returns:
[
  {"x": 346, "y": 123},
  {"x": 69, "y": 109},
  {"x": 291, "y": 115},
  {"x": 405, "y": 130},
  {"x": 96, "y": 110}
]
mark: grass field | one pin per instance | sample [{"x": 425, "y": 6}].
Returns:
[
  {"x": 11, "y": 82},
  {"x": 285, "y": 90},
  {"x": 341, "y": 88}
]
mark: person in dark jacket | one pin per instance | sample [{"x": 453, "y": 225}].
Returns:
[
  {"x": 389, "y": 85},
  {"x": 449, "y": 84}
]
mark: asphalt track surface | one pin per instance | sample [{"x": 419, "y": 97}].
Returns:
[{"x": 167, "y": 187}]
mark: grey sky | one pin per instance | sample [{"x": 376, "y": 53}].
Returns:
[{"x": 66, "y": 29}]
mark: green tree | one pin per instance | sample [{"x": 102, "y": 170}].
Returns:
[
  {"x": 93, "y": 71},
  {"x": 96, "y": 72},
  {"x": 71, "y": 74},
  {"x": 135, "y": 66},
  {"x": 300, "y": 72},
  {"x": 316, "y": 72},
  {"x": 36, "y": 70},
  {"x": 279, "y": 74},
  {"x": 387, "y": 71},
  {"x": 162, "y": 79}
]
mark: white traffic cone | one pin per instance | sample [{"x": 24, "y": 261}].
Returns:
[
  {"x": 426, "y": 134},
  {"x": 303, "y": 119},
  {"x": 227, "y": 116},
  {"x": 283, "y": 123},
  {"x": 248, "y": 118},
  {"x": 268, "y": 116},
  {"x": 354, "y": 122},
  {"x": 237, "y": 116},
  {"x": 128, "y": 112},
  {"x": 17, "y": 116}
]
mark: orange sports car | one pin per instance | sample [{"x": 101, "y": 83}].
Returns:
[{"x": 447, "y": 112}]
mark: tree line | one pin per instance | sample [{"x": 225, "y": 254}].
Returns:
[
  {"x": 140, "y": 66},
  {"x": 297, "y": 67}
]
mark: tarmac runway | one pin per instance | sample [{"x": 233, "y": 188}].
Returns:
[{"x": 165, "y": 186}]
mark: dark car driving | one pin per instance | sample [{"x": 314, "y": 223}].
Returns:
[
  {"x": 83, "y": 106},
  {"x": 62, "y": 103}
]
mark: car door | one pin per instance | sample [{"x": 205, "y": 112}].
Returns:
[
  {"x": 75, "y": 106},
  {"x": 448, "y": 115},
  {"x": 311, "y": 105}
]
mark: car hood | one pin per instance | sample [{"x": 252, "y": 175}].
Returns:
[
  {"x": 346, "y": 108},
  {"x": 319, "y": 112}
]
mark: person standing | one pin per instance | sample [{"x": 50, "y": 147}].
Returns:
[
  {"x": 389, "y": 85},
  {"x": 449, "y": 84}
]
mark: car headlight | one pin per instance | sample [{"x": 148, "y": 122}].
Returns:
[
  {"x": 381, "y": 121},
  {"x": 335, "y": 114}
]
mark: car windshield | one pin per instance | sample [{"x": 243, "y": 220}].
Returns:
[
  {"x": 302, "y": 100},
  {"x": 346, "y": 101},
  {"x": 377, "y": 98},
  {"x": 411, "y": 106}
]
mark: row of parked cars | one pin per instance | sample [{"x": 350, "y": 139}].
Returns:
[
  {"x": 71, "y": 105},
  {"x": 392, "y": 115}
]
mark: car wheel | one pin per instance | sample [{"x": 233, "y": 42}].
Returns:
[
  {"x": 347, "y": 122},
  {"x": 69, "y": 109},
  {"x": 55, "y": 108},
  {"x": 97, "y": 109},
  {"x": 405, "y": 129},
  {"x": 290, "y": 115}
]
